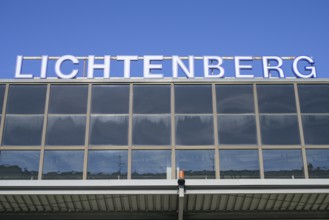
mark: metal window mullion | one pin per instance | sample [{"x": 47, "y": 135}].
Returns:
[
  {"x": 259, "y": 137},
  {"x": 130, "y": 130},
  {"x": 85, "y": 159},
  {"x": 3, "y": 113},
  {"x": 301, "y": 131},
  {"x": 215, "y": 123},
  {"x": 173, "y": 131},
  {"x": 44, "y": 133}
]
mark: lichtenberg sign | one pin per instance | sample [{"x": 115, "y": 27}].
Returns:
[{"x": 212, "y": 66}]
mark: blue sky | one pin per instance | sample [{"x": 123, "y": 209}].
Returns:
[{"x": 148, "y": 27}]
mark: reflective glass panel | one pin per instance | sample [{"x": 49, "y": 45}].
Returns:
[
  {"x": 23, "y": 130},
  {"x": 109, "y": 130},
  {"x": 318, "y": 163},
  {"x": 194, "y": 130},
  {"x": 276, "y": 99},
  {"x": 151, "y": 130},
  {"x": 68, "y": 99},
  {"x": 197, "y": 164},
  {"x": 2, "y": 94},
  {"x": 316, "y": 129},
  {"x": 279, "y": 129},
  {"x": 151, "y": 99},
  {"x": 107, "y": 164},
  {"x": 283, "y": 164},
  {"x": 235, "y": 99},
  {"x": 26, "y": 99},
  {"x": 237, "y": 129},
  {"x": 314, "y": 98},
  {"x": 239, "y": 164},
  {"x": 63, "y": 165},
  {"x": 151, "y": 164},
  {"x": 66, "y": 130},
  {"x": 19, "y": 164},
  {"x": 110, "y": 99},
  {"x": 193, "y": 99}
]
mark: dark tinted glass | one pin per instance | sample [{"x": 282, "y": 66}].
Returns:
[
  {"x": 109, "y": 130},
  {"x": 193, "y": 99},
  {"x": 316, "y": 129},
  {"x": 26, "y": 99},
  {"x": 150, "y": 99},
  {"x": 194, "y": 130},
  {"x": 237, "y": 129},
  {"x": 279, "y": 129},
  {"x": 2, "y": 94},
  {"x": 237, "y": 164},
  {"x": 235, "y": 99},
  {"x": 151, "y": 164},
  {"x": 23, "y": 130},
  {"x": 283, "y": 164},
  {"x": 318, "y": 163},
  {"x": 151, "y": 130},
  {"x": 110, "y": 99},
  {"x": 314, "y": 98},
  {"x": 107, "y": 164},
  {"x": 19, "y": 164},
  {"x": 68, "y": 99},
  {"x": 63, "y": 165},
  {"x": 276, "y": 98},
  {"x": 197, "y": 164},
  {"x": 66, "y": 130}
]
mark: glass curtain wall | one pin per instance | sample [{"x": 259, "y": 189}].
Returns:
[{"x": 151, "y": 131}]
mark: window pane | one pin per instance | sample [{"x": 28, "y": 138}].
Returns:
[
  {"x": 2, "y": 94},
  {"x": 66, "y": 130},
  {"x": 109, "y": 130},
  {"x": 316, "y": 129},
  {"x": 110, "y": 99},
  {"x": 237, "y": 129},
  {"x": 23, "y": 130},
  {"x": 237, "y": 164},
  {"x": 193, "y": 99},
  {"x": 197, "y": 164},
  {"x": 151, "y": 130},
  {"x": 63, "y": 165},
  {"x": 318, "y": 163},
  {"x": 150, "y": 99},
  {"x": 283, "y": 164},
  {"x": 68, "y": 99},
  {"x": 107, "y": 164},
  {"x": 151, "y": 164},
  {"x": 19, "y": 164},
  {"x": 314, "y": 98},
  {"x": 276, "y": 98},
  {"x": 26, "y": 99},
  {"x": 235, "y": 99},
  {"x": 194, "y": 130},
  {"x": 279, "y": 129}
]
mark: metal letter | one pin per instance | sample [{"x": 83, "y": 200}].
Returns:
[
  {"x": 266, "y": 67},
  {"x": 207, "y": 66},
  {"x": 127, "y": 60},
  {"x": 239, "y": 67},
  {"x": 58, "y": 65},
  {"x": 92, "y": 66},
  {"x": 312, "y": 68},
  {"x": 148, "y": 66},
  {"x": 44, "y": 63},
  {"x": 178, "y": 62},
  {"x": 18, "y": 74}
]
